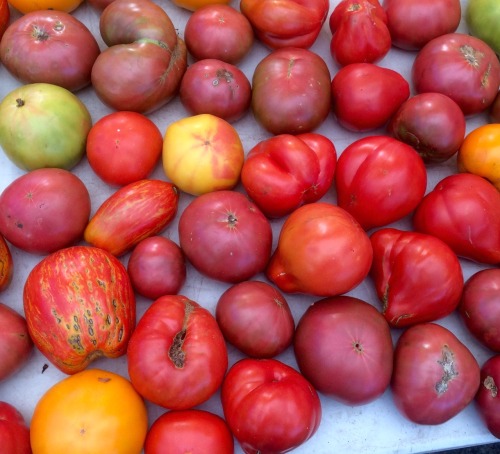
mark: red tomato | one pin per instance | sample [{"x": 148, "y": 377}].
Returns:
[
  {"x": 322, "y": 250},
  {"x": 432, "y": 123},
  {"x": 435, "y": 375},
  {"x": 418, "y": 278},
  {"x": 463, "y": 210},
  {"x": 360, "y": 33},
  {"x": 177, "y": 355},
  {"x": 269, "y": 406},
  {"x": 124, "y": 147},
  {"x": 255, "y": 317},
  {"x": 487, "y": 398},
  {"x": 479, "y": 307},
  {"x": 189, "y": 431},
  {"x": 4, "y": 16},
  {"x": 413, "y": 23},
  {"x": 352, "y": 342},
  {"x": 14, "y": 432},
  {"x": 365, "y": 95},
  {"x": 460, "y": 66},
  {"x": 284, "y": 172},
  {"x": 225, "y": 236},
  {"x": 379, "y": 180}
]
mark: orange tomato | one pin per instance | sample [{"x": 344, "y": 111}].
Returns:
[
  {"x": 480, "y": 153},
  {"x": 26, "y": 6},
  {"x": 93, "y": 411},
  {"x": 6, "y": 264},
  {"x": 193, "y": 5}
]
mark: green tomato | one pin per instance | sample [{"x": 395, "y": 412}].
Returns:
[
  {"x": 482, "y": 18},
  {"x": 43, "y": 125}
]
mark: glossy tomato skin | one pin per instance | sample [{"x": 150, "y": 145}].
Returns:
[
  {"x": 255, "y": 317},
  {"x": 432, "y": 123},
  {"x": 286, "y": 171},
  {"x": 177, "y": 356},
  {"x": 291, "y": 91},
  {"x": 322, "y": 250},
  {"x": 365, "y": 95},
  {"x": 194, "y": 5},
  {"x": 26, "y": 6},
  {"x": 79, "y": 305},
  {"x": 352, "y": 342},
  {"x": 463, "y": 210},
  {"x": 269, "y": 406},
  {"x": 460, "y": 66},
  {"x": 413, "y": 23},
  {"x": 479, "y": 307},
  {"x": 435, "y": 375},
  {"x": 194, "y": 431},
  {"x": 418, "y": 278},
  {"x": 14, "y": 431},
  {"x": 360, "y": 33},
  {"x": 487, "y": 398},
  {"x": 6, "y": 264},
  {"x": 379, "y": 180},
  {"x": 124, "y": 147}
]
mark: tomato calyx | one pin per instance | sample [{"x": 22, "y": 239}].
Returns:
[
  {"x": 40, "y": 34},
  {"x": 449, "y": 372}
]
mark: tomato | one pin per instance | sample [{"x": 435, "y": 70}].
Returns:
[
  {"x": 6, "y": 264},
  {"x": 359, "y": 32},
  {"x": 226, "y": 33},
  {"x": 255, "y": 317},
  {"x": 479, "y": 307},
  {"x": 352, "y": 342},
  {"x": 144, "y": 47},
  {"x": 27, "y": 6},
  {"x": 435, "y": 375},
  {"x": 463, "y": 210},
  {"x": 193, "y": 431},
  {"x": 487, "y": 398},
  {"x": 43, "y": 125},
  {"x": 193, "y": 5},
  {"x": 365, "y": 95},
  {"x": 79, "y": 305},
  {"x": 202, "y": 153},
  {"x": 16, "y": 345},
  {"x": 286, "y": 171},
  {"x": 480, "y": 152},
  {"x": 215, "y": 87},
  {"x": 124, "y": 147},
  {"x": 322, "y": 250},
  {"x": 494, "y": 110},
  {"x": 460, "y": 66},
  {"x": 269, "y": 406},
  {"x": 177, "y": 356},
  {"x": 287, "y": 23},
  {"x": 418, "y": 278},
  {"x": 481, "y": 17},
  {"x": 49, "y": 46},
  {"x": 291, "y": 91},
  {"x": 14, "y": 431},
  {"x": 432, "y": 123},
  {"x": 91, "y": 411},
  {"x": 4, "y": 16},
  {"x": 225, "y": 236},
  {"x": 135, "y": 211},
  {"x": 413, "y": 23},
  {"x": 44, "y": 210}
]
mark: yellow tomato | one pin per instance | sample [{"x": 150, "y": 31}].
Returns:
[
  {"x": 202, "y": 153},
  {"x": 480, "y": 153},
  {"x": 26, "y": 6},
  {"x": 90, "y": 412},
  {"x": 193, "y": 5}
]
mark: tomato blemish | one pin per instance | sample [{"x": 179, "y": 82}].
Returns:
[
  {"x": 489, "y": 384},
  {"x": 449, "y": 372}
]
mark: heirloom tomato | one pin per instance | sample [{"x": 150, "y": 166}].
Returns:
[
  {"x": 435, "y": 375},
  {"x": 6, "y": 264},
  {"x": 92, "y": 411},
  {"x": 26, "y": 6},
  {"x": 418, "y": 278},
  {"x": 269, "y": 406},
  {"x": 193, "y": 5},
  {"x": 4, "y": 16},
  {"x": 481, "y": 17},
  {"x": 79, "y": 305},
  {"x": 14, "y": 431},
  {"x": 487, "y": 398},
  {"x": 177, "y": 356}
]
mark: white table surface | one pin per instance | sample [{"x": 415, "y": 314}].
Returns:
[{"x": 374, "y": 428}]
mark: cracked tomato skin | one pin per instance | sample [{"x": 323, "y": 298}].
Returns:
[
  {"x": 435, "y": 375},
  {"x": 177, "y": 356},
  {"x": 79, "y": 305}
]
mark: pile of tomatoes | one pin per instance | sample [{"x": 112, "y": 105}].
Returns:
[{"x": 226, "y": 225}]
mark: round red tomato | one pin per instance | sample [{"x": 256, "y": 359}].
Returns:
[
  {"x": 177, "y": 355},
  {"x": 435, "y": 375},
  {"x": 124, "y": 147},
  {"x": 379, "y": 180},
  {"x": 189, "y": 431},
  {"x": 255, "y": 317},
  {"x": 352, "y": 342},
  {"x": 487, "y": 398},
  {"x": 14, "y": 431},
  {"x": 269, "y": 406}
]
